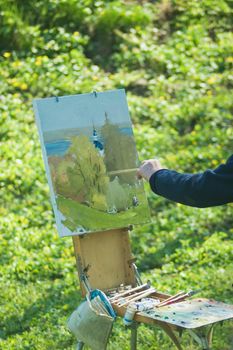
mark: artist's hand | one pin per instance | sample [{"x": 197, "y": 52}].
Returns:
[{"x": 148, "y": 168}]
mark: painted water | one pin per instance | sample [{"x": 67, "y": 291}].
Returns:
[
  {"x": 57, "y": 148},
  {"x": 60, "y": 147}
]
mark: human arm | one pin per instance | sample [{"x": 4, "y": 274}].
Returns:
[{"x": 207, "y": 189}]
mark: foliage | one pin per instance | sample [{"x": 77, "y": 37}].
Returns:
[
  {"x": 99, "y": 202},
  {"x": 69, "y": 173},
  {"x": 115, "y": 156},
  {"x": 117, "y": 196},
  {"x": 87, "y": 160},
  {"x": 174, "y": 58}
]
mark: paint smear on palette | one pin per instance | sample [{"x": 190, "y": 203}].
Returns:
[{"x": 192, "y": 313}]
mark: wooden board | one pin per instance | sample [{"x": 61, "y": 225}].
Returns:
[{"x": 105, "y": 256}]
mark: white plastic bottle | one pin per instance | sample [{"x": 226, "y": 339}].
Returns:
[{"x": 129, "y": 314}]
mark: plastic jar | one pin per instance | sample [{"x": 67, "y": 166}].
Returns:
[{"x": 129, "y": 314}]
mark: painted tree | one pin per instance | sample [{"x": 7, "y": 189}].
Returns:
[
  {"x": 119, "y": 151},
  {"x": 59, "y": 168},
  {"x": 88, "y": 169},
  {"x": 117, "y": 196}
]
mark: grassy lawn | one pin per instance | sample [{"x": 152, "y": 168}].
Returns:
[
  {"x": 174, "y": 58},
  {"x": 91, "y": 219}
]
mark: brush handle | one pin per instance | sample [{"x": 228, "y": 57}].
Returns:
[
  {"x": 171, "y": 298},
  {"x": 123, "y": 171},
  {"x": 143, "y": 286},
  {"x": 139, "y": 296}
]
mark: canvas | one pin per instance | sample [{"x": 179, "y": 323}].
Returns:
[{"x": 91, "y": 160}]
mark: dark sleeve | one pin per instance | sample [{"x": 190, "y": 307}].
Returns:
[{"x": 207, "y": 189}]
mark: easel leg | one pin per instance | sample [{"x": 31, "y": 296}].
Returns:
[
  {"x": 210, "y": 334},
  {"x": 133, "y": 340},
  {"x": 80, "y": 345},
  {"x": 172, "y": 335},
  {"x": 203, "y": 337}
]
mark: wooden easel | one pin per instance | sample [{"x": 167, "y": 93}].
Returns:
[
  {"x": 104, "y": 258},
  {"x": 104, "y": 261}
]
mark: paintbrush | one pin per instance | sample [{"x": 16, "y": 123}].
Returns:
[
  {"x": 120, "y": 295},
  {"x": 171, "y": 298},
  {"x": 179, "y": 298},
  {"x": 136, "y": 295},
  {"x": 139, "y": 296},
  {"x": 123, "y": 171}
]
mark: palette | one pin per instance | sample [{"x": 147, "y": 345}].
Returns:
[{"x": 192, "y": 313}]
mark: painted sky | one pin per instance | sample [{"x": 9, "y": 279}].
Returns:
[{"x": 83, "y": 110}]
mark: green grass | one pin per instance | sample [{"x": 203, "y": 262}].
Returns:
[
  {"x": 93, "y": 220},
  {"x": 174, "y": 58}
]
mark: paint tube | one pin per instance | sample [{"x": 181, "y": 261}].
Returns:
[
  {"x": 143, "y": 305},
  {"x": 146, "y": 304}
]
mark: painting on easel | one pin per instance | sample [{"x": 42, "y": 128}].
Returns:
[{"x": 91, "y": 161}]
